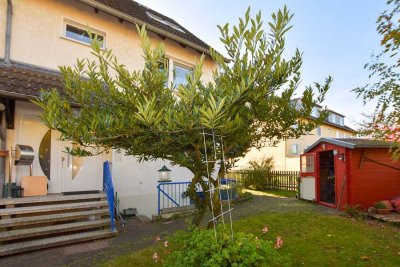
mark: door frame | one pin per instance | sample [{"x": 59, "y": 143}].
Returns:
[{"x": 317, "y": 184}]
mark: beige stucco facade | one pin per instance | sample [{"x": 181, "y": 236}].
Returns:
[
  {"x": 38, "y": 36},
  {"x": 38, "y": 39},
  {"x": 282, "y": 153},
  {"x": 3, "y": 8}
]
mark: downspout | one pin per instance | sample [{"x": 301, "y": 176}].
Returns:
[
  {"x": 7, "y": 50},
  {"x": 3, "y": 142}
]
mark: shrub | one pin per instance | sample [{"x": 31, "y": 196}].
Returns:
[
  {"x": 199, "y": 248},
  {"x": 258, "y": 175},
  {"x": 380, "y": 205},
  {"x": 354, "y": 211}
]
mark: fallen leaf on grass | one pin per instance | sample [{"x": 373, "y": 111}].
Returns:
[{"x": 365, "y": 258}]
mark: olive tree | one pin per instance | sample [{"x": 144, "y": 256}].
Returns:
[{"x": 251, "y": 102}]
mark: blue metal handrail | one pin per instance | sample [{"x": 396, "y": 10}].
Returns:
[{"x": 172, "y": 194}]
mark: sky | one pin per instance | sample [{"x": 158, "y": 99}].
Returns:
[{"x": 336, "y": 37}]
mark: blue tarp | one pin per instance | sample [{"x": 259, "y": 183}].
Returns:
[{"x": 109, "y": 189}]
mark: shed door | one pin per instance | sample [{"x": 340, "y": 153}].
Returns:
[{"x": 308, "y": 174}]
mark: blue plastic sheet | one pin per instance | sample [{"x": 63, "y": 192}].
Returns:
[{"x": 109, "y": 189}]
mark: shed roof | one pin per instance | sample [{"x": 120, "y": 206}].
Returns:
[{"x": 352, "y": 143}]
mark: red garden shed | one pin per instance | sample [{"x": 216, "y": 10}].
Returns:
[{"x": 335, "y": 172}]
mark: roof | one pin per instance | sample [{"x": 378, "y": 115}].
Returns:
[
  {"x": 331, "y": 111},
  {"x": 139, "y": 14},
  {"x": 19, "y": 80},
  {"x": 352, "y": 143},
  {"x": 344, "y": 127}
]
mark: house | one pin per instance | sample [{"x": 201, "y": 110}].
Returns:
[
  {"x": 352, "y": 171},
  {"x": 36, "y": 37},
  {"x": 286, "y": 154}
]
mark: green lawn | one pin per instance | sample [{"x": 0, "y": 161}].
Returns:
[
  {"x": 311, "y": 239},
  {"x": 281, "y": 193}
]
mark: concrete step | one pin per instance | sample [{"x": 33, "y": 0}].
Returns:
[
  {"x": 51, "y": 198},
  {"x": 53, "y": 208},
  {"x": 54, "y": 241},
  {"x": 52, "y": 229},
  {"x": 170, "y": 213},
  {"x": 178, "y": 209},
  {"x": 52, "y": 218}
]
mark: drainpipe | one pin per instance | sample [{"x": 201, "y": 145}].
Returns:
[{"x": 7, "y": 50}]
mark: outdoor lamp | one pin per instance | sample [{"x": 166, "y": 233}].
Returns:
[{"x": 164, "y": 174}]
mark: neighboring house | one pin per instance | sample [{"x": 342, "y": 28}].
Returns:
[
  {"x": 286, "y": 154},
  {"x": 36, "y": 37}
]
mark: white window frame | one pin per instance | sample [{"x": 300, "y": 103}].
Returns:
[
  {"x": 319, "y": 131},
  {"x": 295, "y": 149},
  {"x": 67, "y": 21},
  {"x": 171, "y": 60}
]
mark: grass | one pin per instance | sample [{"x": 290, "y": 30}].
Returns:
[
  {"x": 281, "y": 193},
  {"x": 311, "y": 239}
]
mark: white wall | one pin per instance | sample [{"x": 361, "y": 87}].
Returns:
[{"x": 136, "y": 183}]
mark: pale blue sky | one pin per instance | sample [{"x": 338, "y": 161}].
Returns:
[{"x": 336, "y": 37}]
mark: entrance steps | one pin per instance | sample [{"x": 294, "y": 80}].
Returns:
[{"x": 33, "y": 223}]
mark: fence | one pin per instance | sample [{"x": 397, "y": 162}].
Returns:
[
  {"x": 265, "y": 179},
  {"x": 173, "y": 195}
]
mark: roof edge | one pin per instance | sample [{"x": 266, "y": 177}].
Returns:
[
  {"x": 331, "y": 141},
  {"x": 153, "y": 28}
]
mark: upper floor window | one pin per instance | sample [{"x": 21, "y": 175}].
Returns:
[
  {"x": 79, "y": 33},
  {"x": 335, "y": 118},
  {"x": 180, "y": 72},
  {"x": 315, "y": 112},
  {"x": 165, "y": 22},
  {"x": 319, "y": 131}
]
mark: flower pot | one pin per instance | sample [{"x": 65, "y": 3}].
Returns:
[{"x": 383, "y": 211}]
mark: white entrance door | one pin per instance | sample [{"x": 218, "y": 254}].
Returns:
[{"x": 80, "y": 173}]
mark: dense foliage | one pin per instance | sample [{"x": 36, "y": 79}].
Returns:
[
  {"x": 384, "y": 124},
  {"x": 251, "y": 101},
  {"x": 199, "y": 248},
  {"x": 258, "y": 175}
]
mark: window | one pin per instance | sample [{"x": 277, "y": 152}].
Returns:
[
  {"x": 307, "y": 163},
  {"x": 341, "y": 121},
  {"x": 295, "y": 149},
  {"x": 315, "y": 112},
  {"x": 179, "y": 74},
  {"x": 319, "y": 131},
  {"x": 337, "y": 134},
  {"x": 165, "y": 22},
  {"x": 79, "y": 33}
]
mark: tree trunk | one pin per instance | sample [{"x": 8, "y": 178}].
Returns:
[{"x": 202, "y": 202}]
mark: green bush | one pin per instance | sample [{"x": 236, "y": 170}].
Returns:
[
  {"x": 199, "y": 248},
  {"x": 258, "y": 175}
]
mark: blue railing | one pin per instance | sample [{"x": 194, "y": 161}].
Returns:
[{"x": 172, "y": 195}]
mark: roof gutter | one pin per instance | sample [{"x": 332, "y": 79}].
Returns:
[
  {"x": 139, "y": 22},
  {"x": 7, "y": 48}
]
